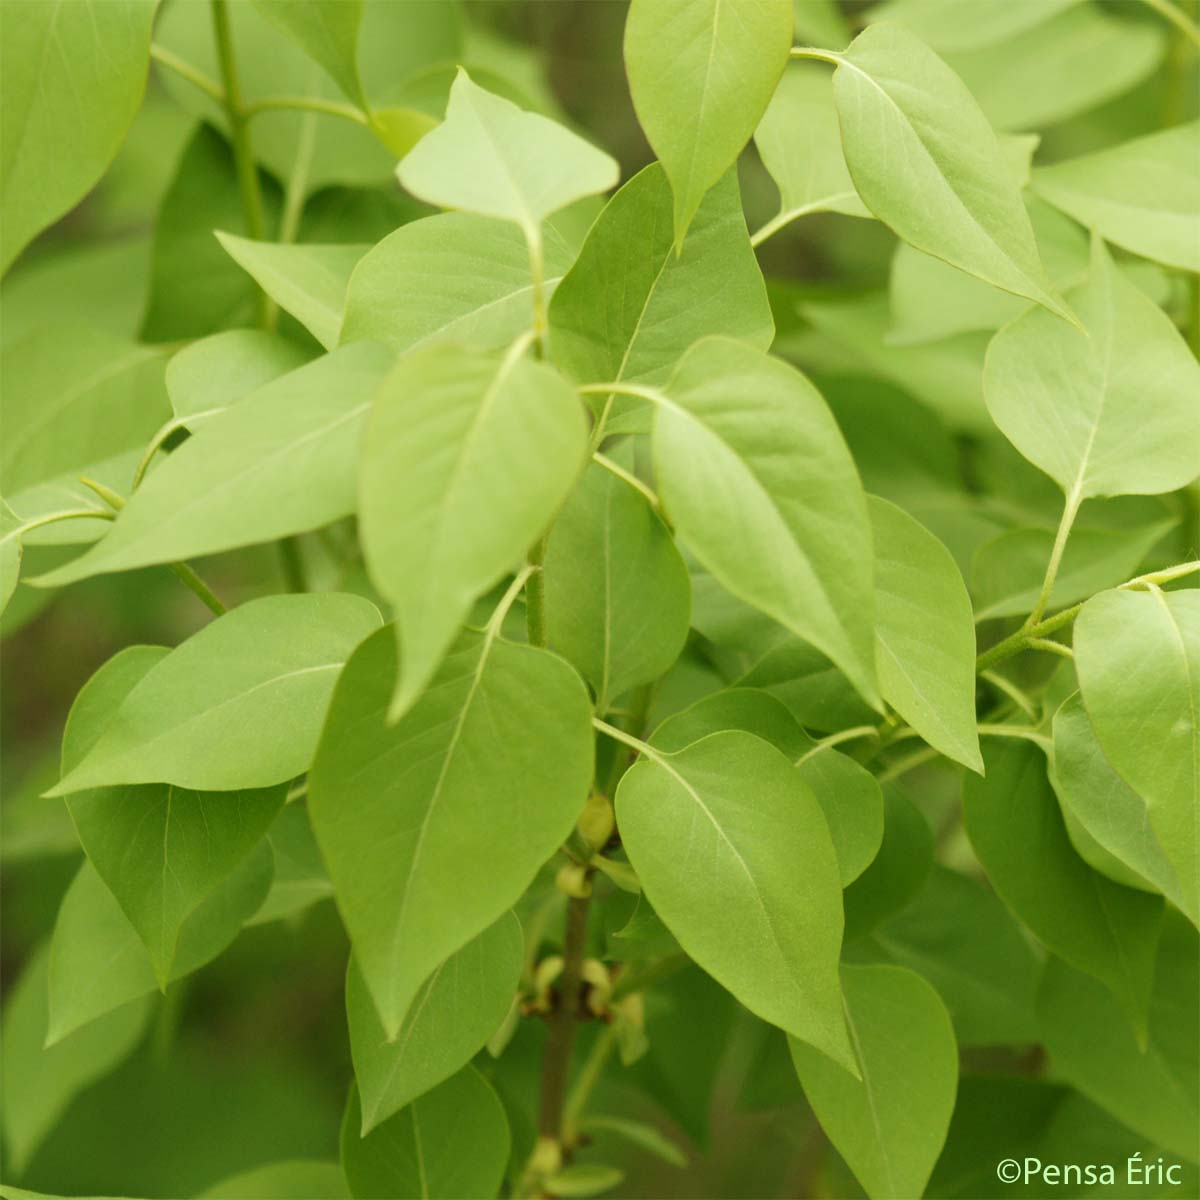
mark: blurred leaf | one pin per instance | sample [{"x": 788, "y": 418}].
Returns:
[
  {"x": 700, "y": 85},
  {"x": 450, "y": 1019},
  {"x": 300, "y": 879},
  {"x": 1016, "y": 829},
  {"x": 584, "y": 1179},
  {"x": 39, "y": 1083},
  {"x": 949, "y": 25},
  {"x": 281, "y": 461},
  {"x": 639, "y": 1134},
  {"x": 238, "y": 705},
  {"x": 309, "y": 282},
  {"x": 617, "y": 590},
  {"x": 725, "y": 891},
  {"x": 1106, "y": 410},
  {"x": 479, "y": 451},
  {"x": 451, "y": 1142},
  {"x": 1141, "y": 195},
  {"x": 433, "y": 827},
  {"x": 53, "y": 150},
  {"x": 327, "y": 31},
  {"x": 889, "y": 1125},
  {"x": 298, "y": 1179}
]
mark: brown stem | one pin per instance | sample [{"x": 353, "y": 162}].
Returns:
[{"x": 556, "y": 1062}]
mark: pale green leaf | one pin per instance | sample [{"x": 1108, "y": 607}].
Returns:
[
  {"x": 160, "y": 849},
  {"x": 747, "y": 709},
  {"x": 98, "y": 962},
  {"x": 949, "y": 25},
  {"x": 281, "y": 461},
  {"x": 1138, "y": 659},
  {"x": 821, "y": 23},
  {"x": 800, "y": 144},
  {"x": 467, "y": 456},
  {"x": 449, "y": 277},
  {"x": 1016, "y": 829},
  {"x": 701, "y": 73},
  {"x": 300, "y": 879},
  {"x": 294, "y": 1179},
  {"x": 327, "y": 31},
  {"x": 1115, "y": 825},
  {"x": 889, "y": 1125},
  {"x": 457, "y": 1009},
  {"x": 925, "y": 634},
  {"x": 432, "y": 828},
  {"x": 450, "y": 1143},
  {"x": 40, "y": 1082},
  {"x": 757, "y": 479},
  {"x": 217, "y": 371},
  {"x": 1143, "y": 195},
  {"x": 927, "y": 163},
  {"x": 630, "y": 306},
  {"x": 960, "y": 937},
  {"x": 307, "y": 281},
  {"x": 238, "y": 705},
  {"x": 492, "y": 158},
  {"x": 1110, "y": 410},
  {"x": 1074, "y": 62},
  {"x": 77, "y": 402},
  {"x": 74, "y": 72},
  {"x": 719, "y": 833},
  {"x": 1151, "y": 1087},
  {"x": 617, "y": 590}
]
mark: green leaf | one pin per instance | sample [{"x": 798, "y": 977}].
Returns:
[
  {"x": 1007, "y": 572},
  {"x": 1142, "y": 195},
  {"x": 492, "y": 158},
  {"x": 927, "y": 163},
  {"x": 925, "y": 634},
  {"x": 238, "y": 705},
  {"x": 457, "y": 1009},
  {"x": 451, "y": 1142},
  {"x": 1105, "y": 411},
  {"x": 307, "y": 281},
  {"x": 40, "y": 1082},
  {"x": 281, "y": 461},
  {"x": 584, "y": 1179},
  {"x": 75, "y": 403},
  {"x": 630, "y": 306},
  {"x": 98, "y": 962},
  {"x": 898, "y": 870},
  {"x": 701, "y": 73},
  {"x": 55, "y": 146},
  {"x": 717, "y": 834},
  {"x": 758, "y": 481},
  {"x": 477, "y": 452},
  {"x": 821, "y": 22},
  {"x": 195, "y": 289},
  {"x": 1151, "y": 1087},
  {"x": 853, "y": 804},
  {"x": 300, "y": 879},
  {"x": 949, "y": 25},
  {"x": 218, "y": 371},
  {"x": 1064, "y": 66},
  {"x": 432, "y": 828},
  {"x": 295, "y": 1179},
  {"x": 889, "y": 1125},
  {"x": 617, "y": 590},
  {"x": 800, "y": 144},
  {"x": 747, "y": 709},
  {"x": 1115, "y": 824},
  {"x": 1138, "y": 659},
  {"x": 327, "y": 31},
  {"x": 962, "y": 939},
  {"x": 637, "y": 1133},
  {"x": 449, "y": 277},
  {"x": 1016, "y": 829},
  {"x": 160, "y": 849},
  {"x": 10, "y": 553}
]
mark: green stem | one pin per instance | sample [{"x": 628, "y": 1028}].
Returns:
[
  {"x": 313, "y": 104},
  {"x": 1015, "y": 731},
  {"x": 535, "y": 595},
  {"x": 1050, "y": 647},
  {"x": 589, "y": 1075},
  {"x": 1070, "y": 508},
  {"x": 783, "y": 219},
  {"x": 537, "y": 271},
  {"x": 619, "y": 735},
  {"x": 816, "y": 52},
  {"x": 74, "y": 514},
  {"x": 239, "y": 133},
  {"x": 631, "y": 479},
  {"x": 197, "y": 585},
  {"x": 835, "y": 739},
  {"x": 522, "y": 577},
  {"x": 291, "y": 562},
  {"x": 629, "y": 982},
  {"x": 185, "y": 70},
  {"x": 1179, "y": 19}
]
